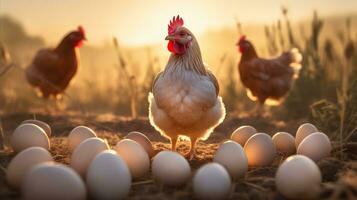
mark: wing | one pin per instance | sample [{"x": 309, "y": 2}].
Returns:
[
  {"x": 213, "y": 80},
  {"x": 46, "y": 62},
  {"x": 155, "y": 80},
  {"x": 264, "y": 69},
  {"x": 257, "y": 71}
]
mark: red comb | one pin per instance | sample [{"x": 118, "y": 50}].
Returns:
[
  {"x": 242, "y": 38},
  {"x": 174, "y": 23},
  {"x": 81, "y": 30}
]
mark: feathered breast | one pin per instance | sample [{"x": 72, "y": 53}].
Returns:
[{"x": 184, "y": 95}]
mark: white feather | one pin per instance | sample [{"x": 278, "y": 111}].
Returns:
[{"x": 185, "y": 103}]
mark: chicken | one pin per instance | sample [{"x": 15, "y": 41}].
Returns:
[
  {"x": 184, "y": 98},
  {"x": 52, "y": 69},
  {"x": 267, "y": 80}
]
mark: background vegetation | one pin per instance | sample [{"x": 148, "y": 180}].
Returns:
[{"x": 117, "y": 79}]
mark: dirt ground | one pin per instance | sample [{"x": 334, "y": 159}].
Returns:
[{"x": 339, "y": 174}]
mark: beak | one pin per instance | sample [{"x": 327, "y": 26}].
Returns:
[
  {"x": 169, "y": 37},
  {"x": 85, "y": 39}
]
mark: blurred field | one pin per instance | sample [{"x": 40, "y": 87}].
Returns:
[
  {"x": 101, "y": 84},
  {"x": 116, "y": 79},
  {"x": 109, "y": 94}
]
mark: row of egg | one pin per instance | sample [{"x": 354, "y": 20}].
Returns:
[
  {"x": 298, "y": 176},
  {"x": 105, "y": 173},
  {"x": 261, "y": 149},
  {"x": 108, "y": 173}
]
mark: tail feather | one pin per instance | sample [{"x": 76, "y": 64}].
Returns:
[{"x": 295, "y": 61}]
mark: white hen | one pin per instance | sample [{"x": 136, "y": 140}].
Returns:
[{"x": 184, "y": 98}]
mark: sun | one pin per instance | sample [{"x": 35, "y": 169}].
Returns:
[{"x": 150, "y": 26}]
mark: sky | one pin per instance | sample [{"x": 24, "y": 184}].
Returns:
[{"x": 138, "y": 22}]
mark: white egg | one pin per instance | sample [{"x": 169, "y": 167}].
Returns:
[
  {"x": 41, "y": 124},
  {"x": 29, "y": 135},
  {"x": 135, "y": 156},
  {"x": 170, "y": 168},
  {"x": 85, "y": 152},
  {"x": 231, "y": 155},
  {"x": 284, "y": 143},
  {"x": 108, "y": 176},
  {"x": 211, "y": 181},
  {"x": 298, "y": 178},
  {"x": 52, "y": 181},
  {"x": 78, "y": 135},
  {"x": 315, "y": 146},
  {"x": 23, "y": 162},
  {"x": 303, "y": 131},
  {"x": 260, "y": 150},
  {"x": 242, "y": 134},
  {"x": 142, "y": 140}
]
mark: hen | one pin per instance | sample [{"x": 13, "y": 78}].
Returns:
[
  {"x": 267, "y": 80},
  {"x": 184, "y": 98},
  {"x": 52, "y": 69}
]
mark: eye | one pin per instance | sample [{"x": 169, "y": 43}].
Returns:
[{"x": 182, "y": 34}]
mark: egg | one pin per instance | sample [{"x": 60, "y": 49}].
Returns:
[
  {"x": 143, "y": 141},
  {"x": 29, "y": 135},
  {"x": 52, "y": 181},
  {"x": 85, "y": 152},
  {"x": 78, "y": 135},
  {"x": 41, "y": 124},
  {"x": 108, "y": 176},
  {"x": 170, "y": 168},
  {"x": 23, "y": 162},
  {"x": 231, "y": 155},
  {"x": 284, "y": 143},
  {"x": 298, "y": 177},
  {"x": 211, "y": 181},
  {"x": 315, "y": 146},
  {"x": 242, "y": 134},
  {"x": 303, "y": 131},
  {"x": 135, "y": 156},
  {"x": 260, "y": 150}
]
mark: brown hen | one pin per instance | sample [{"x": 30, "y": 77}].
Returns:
[
  {"x": 52, "y": 69},
  {"x": 267, "y": 80}
]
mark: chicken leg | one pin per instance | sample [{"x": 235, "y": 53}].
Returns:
[
  {"x": 173, "y": 143},
  {"x": 191, "y": 154},
  {"x": 59, "y": 103}
]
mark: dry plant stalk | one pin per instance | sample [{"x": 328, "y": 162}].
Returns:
[
  {"x": 342, "y": 95},
  {"x": 239, "y": 27},
  {"x": 4, "y": 60},
  {"x": 131, "y": 80},
  {"x": 133, "y": 97},
  {"x": 2, "y": 136},
  {"x": 288, "y": 28},
  {"x": 6, "y": 68}
]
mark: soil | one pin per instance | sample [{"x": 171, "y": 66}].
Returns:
[{"x": 339, "y": 171}]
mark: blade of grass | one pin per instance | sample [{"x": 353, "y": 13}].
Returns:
[
  {"x": 2, "y": 136},
  {"x": 138, "y": 183}
]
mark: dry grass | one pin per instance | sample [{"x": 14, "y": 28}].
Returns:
[{"x": 339, "y": 176}]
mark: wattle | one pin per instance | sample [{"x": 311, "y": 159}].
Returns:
[
  {"x": 241, "y": 49},
  {"x": 176, "y": 48},
  {"x": 170, "y": 46},
  {"x": 79, "y": 44}
]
